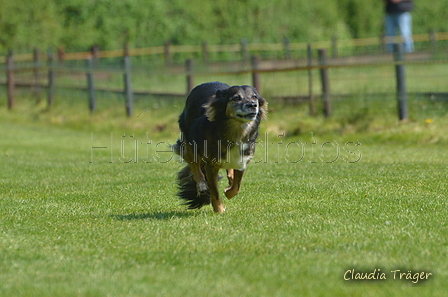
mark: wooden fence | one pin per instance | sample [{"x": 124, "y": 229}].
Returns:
[
  {"x": 244, "y": 48},
  {"x": 40, "y": 64}
]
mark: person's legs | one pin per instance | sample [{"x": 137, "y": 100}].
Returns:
[
  {"x": 391, "y": 25},
  {"x": 405, "y": 25}
]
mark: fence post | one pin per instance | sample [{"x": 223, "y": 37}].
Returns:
[
  {"x": 310, "y": 79},
  {"x": 325, "y": 82},
  {"x": 205, "y": 53},
  {"x": 334, "y": 46},
  {"x": 255, "y": 74},
  {"x": 190, "y": 74},
  {"x": 383, "y": 43},
  {"x": 90, "y": 84},
  {"x": 433, "y": 40},
  {"x": 402, "y": 96},
  {"x": 10, "y": 78},
  {"x": 95, "y": 53},
  {"x": 244, "y": 52},
  {"x": 286, "y": 44},
  {"x": 36, "y": 71},
  {"x": 51, "y": 79},
  {"x": 168, "y": 57},
  {"x": 129, "y": 96},
  {"x": 61, "y": 55}
]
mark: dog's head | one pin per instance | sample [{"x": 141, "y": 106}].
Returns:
[{"x": 241, "y": 103}]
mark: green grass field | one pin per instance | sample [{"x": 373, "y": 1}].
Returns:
[{"x": 74, "y": 224}]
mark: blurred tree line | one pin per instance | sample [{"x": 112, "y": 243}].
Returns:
[{"x": 79, "y": 24}]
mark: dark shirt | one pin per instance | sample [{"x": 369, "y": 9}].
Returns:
[{"x": 403, "y": 6}]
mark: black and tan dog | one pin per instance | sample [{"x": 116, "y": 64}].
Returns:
[{"x": 219, "y": 128}]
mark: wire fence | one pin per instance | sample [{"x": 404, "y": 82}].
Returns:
[{"x": 355, "y": 74}]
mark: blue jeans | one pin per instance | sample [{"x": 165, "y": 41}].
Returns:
[{"x": 402, "y": 22}]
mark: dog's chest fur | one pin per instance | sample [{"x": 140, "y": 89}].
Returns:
[
  {"x": 237, "y": 156},
  {"x": 239, "y": 148}
]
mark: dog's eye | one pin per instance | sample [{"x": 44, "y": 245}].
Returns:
[
  {"x": 254, "y": 97},
  {"x": 236, "y": 98}
]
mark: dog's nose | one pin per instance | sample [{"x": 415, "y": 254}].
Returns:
[{"x": 252, "y": 105}]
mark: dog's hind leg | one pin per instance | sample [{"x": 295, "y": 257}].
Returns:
[
  {"x": 211, "y": 173},
  {"x": 199, "y": 178},
  {"x": 189, "y": 153},
  {"x": 235, "y": 177}
]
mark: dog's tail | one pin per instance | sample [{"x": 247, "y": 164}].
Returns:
[{"x": 187, "y": 190}]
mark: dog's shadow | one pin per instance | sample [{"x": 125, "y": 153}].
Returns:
[{"x": 158, "y": 215}]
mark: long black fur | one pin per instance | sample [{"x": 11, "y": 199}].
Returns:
[
  {"x": 195, "y": 101},
  {"x": 196, "y": 126},
  {"x": 187, "y": 190}
]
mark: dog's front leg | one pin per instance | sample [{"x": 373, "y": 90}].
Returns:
[
  {"x": 211, "y": 173},
  {"x": 230, "y": 177},
  {"x": 235, "y": 177}
]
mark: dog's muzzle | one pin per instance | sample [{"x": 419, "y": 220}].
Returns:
[{"x": 249, "y": 112}]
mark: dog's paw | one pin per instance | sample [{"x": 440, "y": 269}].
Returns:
[
  {"x": 219, "y": 209},
  {"x": 201, "y": 187},
  {"x": 230, "y": 193}
]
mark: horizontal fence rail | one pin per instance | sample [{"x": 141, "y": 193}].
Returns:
[
  {"x": 47, "y": 72},
  {"x": 226, "y": 48}
]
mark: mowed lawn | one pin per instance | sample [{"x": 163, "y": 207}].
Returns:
[{"x": 74, "y": 224}]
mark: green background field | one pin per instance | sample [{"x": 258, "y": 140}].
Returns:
[{"x": 74, "y": 224}]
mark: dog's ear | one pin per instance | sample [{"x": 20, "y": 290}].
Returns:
[
  {"x": 216, "y": 105},
  {"x": 263, "y": 107},
  {"x": 221, "y": 94},
  {"x": 263, "y": 104}
]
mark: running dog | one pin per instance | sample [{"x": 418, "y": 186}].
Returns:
[{"x": 219, "y": 128}]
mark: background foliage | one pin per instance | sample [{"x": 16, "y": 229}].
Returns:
[{"x": 78, "y": 24}]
